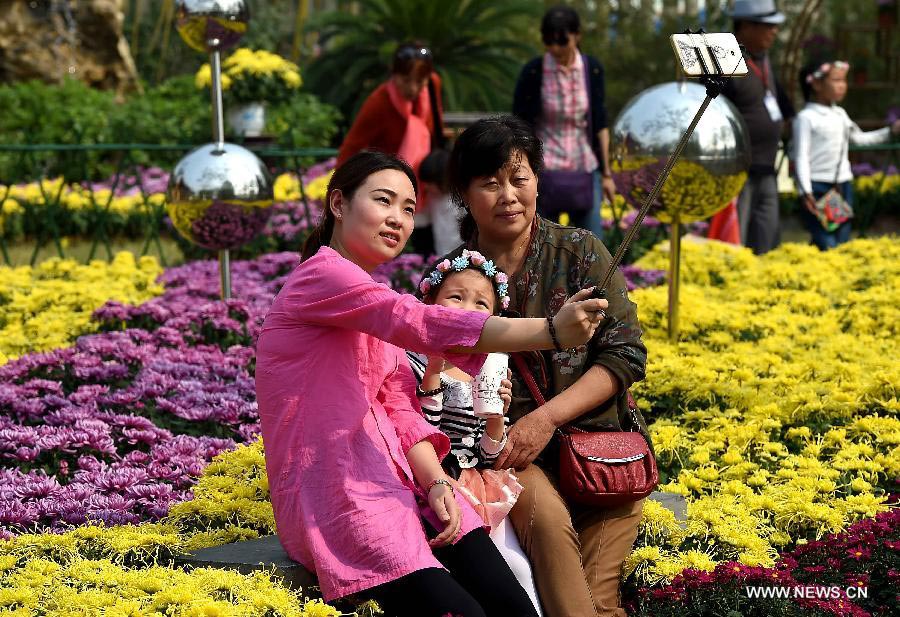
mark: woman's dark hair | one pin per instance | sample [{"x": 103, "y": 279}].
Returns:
[
  {"x": 347, "y": 179},
  {"x": 485, "y": 147},
  {"x": 808, "y": 69},
  {"x": 412, "y": 59},
  {"x": 558, "y": 23},
  {"x": 433, "y": 169}
]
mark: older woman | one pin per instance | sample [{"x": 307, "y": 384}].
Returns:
[
  {"x": 577, "y": 552},
  {"x": 353, "y": 465}
]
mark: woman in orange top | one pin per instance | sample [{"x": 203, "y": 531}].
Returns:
[{"x": 403, "y": 117}]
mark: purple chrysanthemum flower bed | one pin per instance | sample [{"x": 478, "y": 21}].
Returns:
[{"x": 118, "y": 427}]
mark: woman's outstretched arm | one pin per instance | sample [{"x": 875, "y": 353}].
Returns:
[
  {"x": 328, "y": 291},
  {"x": 575, "y": 324}
]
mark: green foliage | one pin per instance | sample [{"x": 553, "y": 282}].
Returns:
[
  {"x": 266, "y": 88},
  {"x": 175, "y": 112},
  {"x": 70, "y": 113},
  {"x": 73, "y": 113},
  {"x": 303, "y": 122},
  {"x": 478, "y": 48}
]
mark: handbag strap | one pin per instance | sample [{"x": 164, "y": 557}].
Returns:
[
  {"x": 519, "y": 361},
  {"x": 529, "y": 379},
  {"x": 437, "y": 137},
  {"x": 837, "y": 170},
  {"x": 587, "y": 90},
  {"x": 845, "y": 140}
]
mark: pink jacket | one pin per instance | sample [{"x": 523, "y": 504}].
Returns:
[{"x": 339, "y": 412}]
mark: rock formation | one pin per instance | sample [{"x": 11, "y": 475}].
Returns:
[{"x": 52, "y": 39}]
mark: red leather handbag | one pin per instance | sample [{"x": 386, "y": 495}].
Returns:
[{"x": 605, "y": 469}]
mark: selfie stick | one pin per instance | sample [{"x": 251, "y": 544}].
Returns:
[{"x": 714, "y": 80}]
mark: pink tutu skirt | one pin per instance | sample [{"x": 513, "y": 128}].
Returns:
[{"x": 491, "y": 492}]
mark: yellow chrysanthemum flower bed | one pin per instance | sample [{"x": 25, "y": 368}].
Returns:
[
  {"x": 50, "y": 305},
  {"x": 254, "y": 75},
  {"x": 776, "y": 413},
  {"x": 74, "y": 197},
  {"x": 79, "y": 586},
  {"x": 127, "y": 570},
  {"x": 287, "y": 187},
  {"x": 775, "y": 416}
]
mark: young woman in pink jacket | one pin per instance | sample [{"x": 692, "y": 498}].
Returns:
[{"x": 354, "y": 471}]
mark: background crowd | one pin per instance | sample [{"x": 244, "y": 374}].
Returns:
[{"x": 561, "y": 95}]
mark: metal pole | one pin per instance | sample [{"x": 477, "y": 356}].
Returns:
[
  {"x": 225, "y": 273},
  {"x": 218, "y": 120},
  {"x": 670, "y": 163},
  {"x": 218, "y": 130},
  {"x": 674, "y": 275}
]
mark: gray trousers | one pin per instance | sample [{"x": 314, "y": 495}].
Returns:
[{"x": 758, "y": 213}]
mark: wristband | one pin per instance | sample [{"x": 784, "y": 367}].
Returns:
[
  {"x": 555, "y": 340},
  {"x": 440, "y": 481},
  {"x": 424, "y": 393}
]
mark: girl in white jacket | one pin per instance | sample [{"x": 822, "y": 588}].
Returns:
[{"x": 822, "y": 134}]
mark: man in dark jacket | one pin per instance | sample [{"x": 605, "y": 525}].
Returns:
[{"x": 765, "y": 108}]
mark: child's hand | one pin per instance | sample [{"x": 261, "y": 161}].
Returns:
[
  {"x": 435, "y": 365},
  {"x": 505, "y": 391},
  {"x": 810, "y": 202},
  {"x": 895, "y": 128}
]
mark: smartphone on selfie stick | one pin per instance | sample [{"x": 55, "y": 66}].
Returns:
[{"x": 712, "y": 59}]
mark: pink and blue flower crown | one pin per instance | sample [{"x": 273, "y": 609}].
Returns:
[
  {"x": 824, "y": 69},
  {"x": 475, "y": 261}
]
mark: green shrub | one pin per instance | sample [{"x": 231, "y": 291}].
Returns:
[{"x": 174, "y": 112}]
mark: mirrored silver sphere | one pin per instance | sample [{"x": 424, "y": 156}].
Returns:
[
  {"x": 211, "y": 25},
  {"x": 219, "y": 197},
  {"x": 706, "y": 177}
]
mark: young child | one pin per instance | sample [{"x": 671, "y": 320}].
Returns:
[
  {"x": 822, "y": 133},
  {"x": 472, "y": 282},
  {"x": 444, "y": 213}
]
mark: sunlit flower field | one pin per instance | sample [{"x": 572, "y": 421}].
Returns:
[{"x": 129, "y": 435}]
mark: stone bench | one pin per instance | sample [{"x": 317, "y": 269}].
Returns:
[
  {"x": 251, "y": 556},
  {"x": 267, "y": 554}
]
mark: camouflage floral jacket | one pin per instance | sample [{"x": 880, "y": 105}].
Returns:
[{"x": 561, "y": 261}]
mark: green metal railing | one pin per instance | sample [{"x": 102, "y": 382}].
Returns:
[{"x": 46, "y": 226}]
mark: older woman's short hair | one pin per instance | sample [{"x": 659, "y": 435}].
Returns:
[
  {"x": 484, "y": 148},
  {"x": 488, "y": 145}
]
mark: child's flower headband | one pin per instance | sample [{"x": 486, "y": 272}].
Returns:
[
  {"x": 476, "y": 261},
  {"x": 824, "y": 69}
]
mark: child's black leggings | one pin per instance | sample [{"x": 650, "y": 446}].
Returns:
[{"x": 478, "y": 584}]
